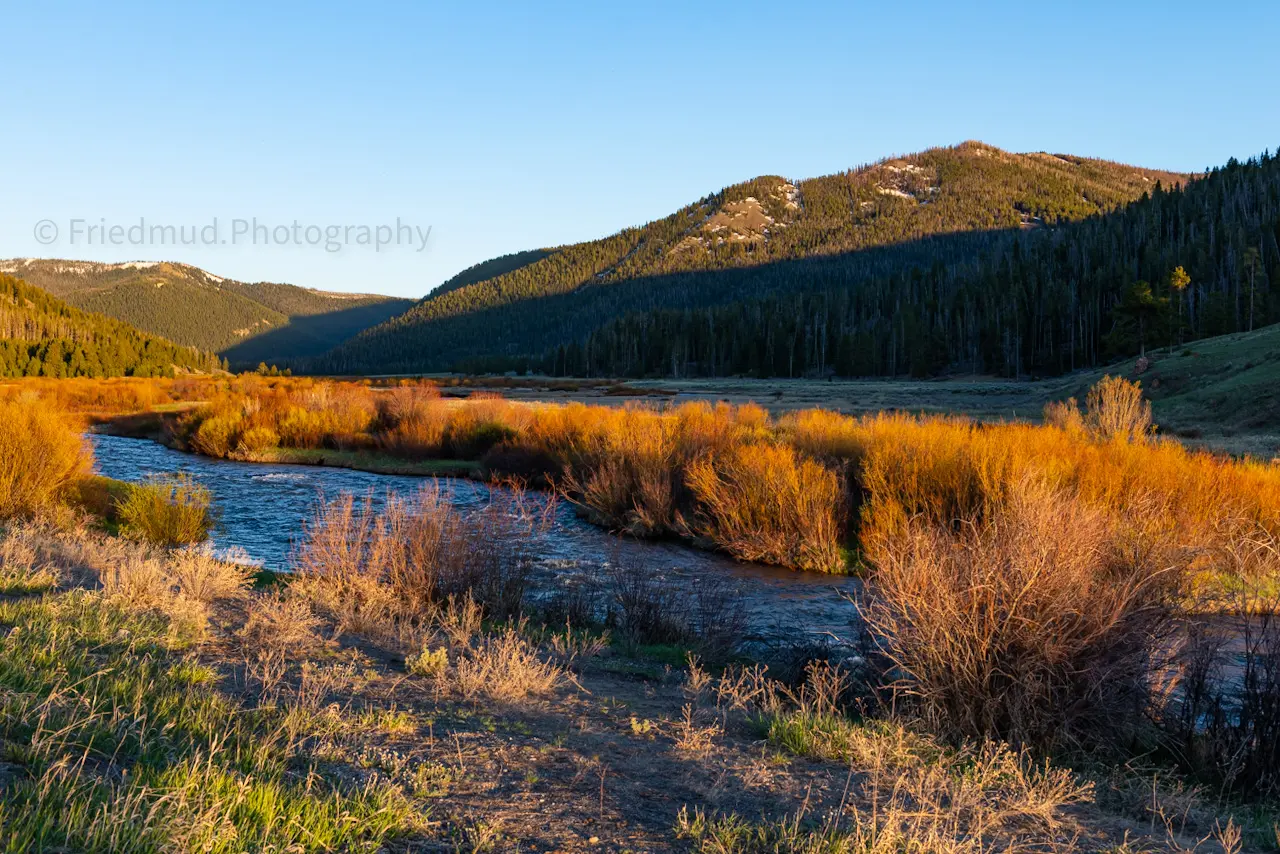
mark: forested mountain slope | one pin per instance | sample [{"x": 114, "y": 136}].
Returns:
[
  {"x": 492, "y": 268},
  {"x": 1171, "y": 267},
  {"x": 748, "y": 239},
  {"x": 246, "y": 322},
  {"x": 40, "y": 335}
]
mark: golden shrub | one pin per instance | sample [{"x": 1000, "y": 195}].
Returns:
[
  {"x": 167, "y": 511},
  {"x": 42, "y": 456},
  {"x": 765, "y": 502}
]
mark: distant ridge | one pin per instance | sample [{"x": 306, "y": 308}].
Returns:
[
  {"x": 245, "y": 322},
  {"x": 42, "y": 336}
]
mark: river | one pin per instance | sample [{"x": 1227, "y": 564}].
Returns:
[{"x": 262, "y": 508}]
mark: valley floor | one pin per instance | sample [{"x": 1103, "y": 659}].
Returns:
[{"x": 1198, "y": 396}]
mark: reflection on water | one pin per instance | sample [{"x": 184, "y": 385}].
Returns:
[{"x": 262, "y": 509}]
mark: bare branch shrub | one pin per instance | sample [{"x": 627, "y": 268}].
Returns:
[
  {"x": 1224, "y": 712},
  {"x": 387, "y": 572},
  {"x": 1115, "y": 411},
  {"x": 1039, "y": 624}
]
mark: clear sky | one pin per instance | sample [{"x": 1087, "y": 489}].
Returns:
[{"x": 509, "y": 127}]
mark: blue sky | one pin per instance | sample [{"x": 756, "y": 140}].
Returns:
[{"x": 507, "y": 127}]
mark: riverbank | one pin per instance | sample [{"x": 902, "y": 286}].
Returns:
[
  {"x": 263, "y": 509},
  {"x": 809, "y": 490},
  {"x": 161, "y": 427},
  {"x": 158, "y": 426}
]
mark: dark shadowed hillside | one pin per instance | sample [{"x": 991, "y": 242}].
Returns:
[
  {"x": 246, "y": 322},
  {"x": 757, "y": 237}
]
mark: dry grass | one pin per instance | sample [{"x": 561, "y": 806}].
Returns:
[
  {"x": 904, "y": 791},
  {"x": 502, "y": 667},
  {"x": 23, "y": 570},
  {"x": 279, "y": 623},
  {"x": 950, "y": 803},
  {"x": 386, "y": 574},
  {"x": 417, "y": 576},
  {"x": 183, "y": 585},
  {"x": 42, "y": 456},
  {"x": 694, "y": 734}
]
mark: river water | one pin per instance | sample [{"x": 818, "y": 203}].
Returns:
[{"x": 263, "y": 507}]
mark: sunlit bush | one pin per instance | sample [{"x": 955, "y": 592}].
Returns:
[
  {"x": 42, "y": 456},
  {"x": 1116, "y": 411},
  {"x": 216, "y": 436},
  {"x": 766, "y": 503},
  {"x": 257, "y": 440},
  {"x": 167, "y": 511}
]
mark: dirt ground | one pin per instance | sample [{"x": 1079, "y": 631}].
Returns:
[
  {"x": 609, "y": 761},
  {"x": 983, "y": 397}
]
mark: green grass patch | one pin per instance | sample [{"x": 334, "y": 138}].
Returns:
[
  {"x": 866, "y": 743},
  {"x": 119, "y": 743},
  {"x": 370, "y": 461},
  {"x": 732, "y": 834}
]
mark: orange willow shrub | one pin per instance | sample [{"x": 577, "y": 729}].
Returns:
[
  {"x": 697, "y": 470},
  {"x": 765, "y": 502},
  {"x": 628, "y": 465},
  {"x": 945, "y": 471},
  {"x": 413, "y": 421},
  {"x": 829, "y": 435},
  {"x": 481, "y": 422},
  {"x": 42, "y": 455},
  {"x": 627, "y": 471},
  {"x": 113, "y": 396},
  {"x": 253, "y": 415}
]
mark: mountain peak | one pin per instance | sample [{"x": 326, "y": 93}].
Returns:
[{"x": 975, "y": 188}]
